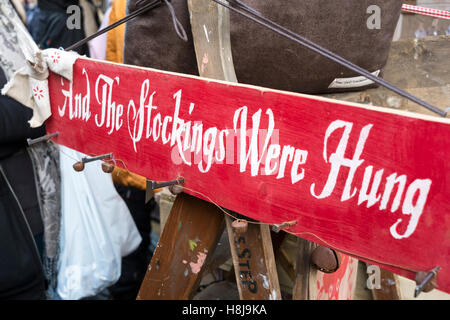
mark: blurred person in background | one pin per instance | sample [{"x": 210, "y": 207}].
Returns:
[{"x": 49, "y": 27}]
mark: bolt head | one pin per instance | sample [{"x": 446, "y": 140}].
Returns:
[
  {"x": 326, "y": 259},
  {"x": 78, "y": 166},
  {"x": 107, "y": 167}
]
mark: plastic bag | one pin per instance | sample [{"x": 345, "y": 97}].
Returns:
[{"x": 97, "y": 229}]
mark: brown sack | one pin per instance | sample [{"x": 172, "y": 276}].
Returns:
[
  {"x": 264, "y": 58},
  {"x": 151, "y": 40}
]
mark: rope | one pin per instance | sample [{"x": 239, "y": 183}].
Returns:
[
  {"x": 354, "y": 254},
  {"x": 149, "y": 6},
  {"x": 176, "y": 23}
]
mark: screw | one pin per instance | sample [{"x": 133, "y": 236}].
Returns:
[
  {"x": 176, "y": 189},
  {"x": 79, "y": 166},
  {"x": 40, "y": 139}
]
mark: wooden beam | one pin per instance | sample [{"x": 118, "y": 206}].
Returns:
[
  {"x": 302, "y": 269},
  {"x": 187, "y": 242},
  {"x": 210, "y": 24},
  {"x": 254, "y": 262}
]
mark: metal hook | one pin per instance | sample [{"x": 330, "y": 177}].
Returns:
[
  {"x": 278, "y": 227},
  {"x": 152, "y": 185},
  {"x": 79, "y": 166},
  {"x": 426, "y": 284},
  {"x": 41, "y": 139}
]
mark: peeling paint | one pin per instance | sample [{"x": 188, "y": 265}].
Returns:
[
  {"x": 273, "y": 295},
  {"x": 192, "y": 244},
  {"x": 197, "y": 266},
  {"x": 205, "y": 61},
  {"x": 265, "y": 281}
]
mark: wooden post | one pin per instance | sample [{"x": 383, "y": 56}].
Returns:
[
  {"x": 254, "y": 262},
  {"x": 210, "y": 24},
  {"x": 186, "y": 244},
  {"x": 302, "y": 269}
]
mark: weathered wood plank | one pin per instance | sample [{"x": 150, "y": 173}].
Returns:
[
  {"x": 254, "y": 262},
  {"x": 187, "y": 242},
  {"x": 210, "y": 24},
  {"x": 391, "y": 142},
  {"x": 303, "y": 269}
]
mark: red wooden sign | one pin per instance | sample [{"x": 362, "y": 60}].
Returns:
[{"x": 371, "y": 182}]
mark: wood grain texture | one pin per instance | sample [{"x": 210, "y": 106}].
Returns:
[
  {"x": 303, "y": 269},
  {"x": 187, "y": 242},
  {"x": 254, "y": 262},
  {"x": 210, "y": 24}
]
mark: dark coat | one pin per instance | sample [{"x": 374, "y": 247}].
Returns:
[{"x": 21, "y": 227}]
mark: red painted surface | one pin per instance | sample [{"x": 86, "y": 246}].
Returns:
[
  {"x": 397, "y": 145},
  {"x": 339, "y": 285}
]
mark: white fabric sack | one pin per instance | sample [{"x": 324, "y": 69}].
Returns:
[
  {"x": 29, "y": 84},
  {"x": 96, "y": 229}
]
